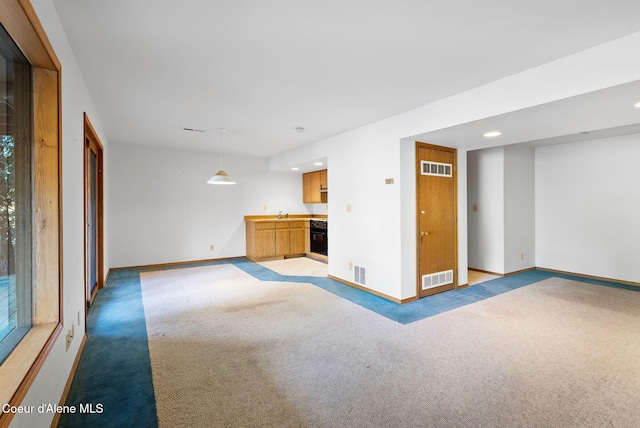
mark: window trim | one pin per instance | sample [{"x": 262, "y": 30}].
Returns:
[{"x": 23, "y": 364}]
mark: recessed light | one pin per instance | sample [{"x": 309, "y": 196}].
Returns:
[
  {"x": 295, "y": 168},
  {"x": 318, "y": 163},
  {"x": 299, "y": 129},
  {"x": 637, "y": 105},
  {"x": 492, "y": 134}
]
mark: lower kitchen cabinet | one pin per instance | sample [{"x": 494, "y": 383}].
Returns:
[
  {"x": 274, "y": 239},
  {"x": 296, "y": 237},
  {"x": 282, "y": 239}
]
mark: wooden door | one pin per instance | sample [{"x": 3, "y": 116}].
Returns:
[
  {"x": 94, "y": 212},
  {"x": 436, "y": 219}
]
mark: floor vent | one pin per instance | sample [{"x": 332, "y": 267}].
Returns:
[
  {"x": 359, "y": 273},
  {"x": 437, "y": 279},
  {"x": 436, "y": 168}
]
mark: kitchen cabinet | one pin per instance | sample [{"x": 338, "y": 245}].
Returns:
[
  {"x": 297, "y": 237},
  {"x": 274, "y": 239},
  {"x": 261, "y": 240},
  {"x": 315, "y": 187},
  {"x": 307, "y": 241},
  {"x": 282, "y": 239}
]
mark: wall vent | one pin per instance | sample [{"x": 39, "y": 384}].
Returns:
[
  {"x": 359, "y": 273},
  {"x": 436, "y": 168},
  {"x": 437, "y": 279}
]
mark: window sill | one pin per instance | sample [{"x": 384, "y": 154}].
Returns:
[{"x": 15, "y": 368}]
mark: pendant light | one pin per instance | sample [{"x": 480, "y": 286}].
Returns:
[{"x": 221, "y": 177}]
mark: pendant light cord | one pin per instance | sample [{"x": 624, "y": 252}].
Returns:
[{"x": 222, "y": 130}]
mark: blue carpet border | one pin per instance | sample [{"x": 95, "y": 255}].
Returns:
[{"x": 114, "y": 370}]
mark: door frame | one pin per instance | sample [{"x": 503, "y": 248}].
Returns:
[
  {"x": 418, "y": 170},
  {"x": 92, "y": 142}
]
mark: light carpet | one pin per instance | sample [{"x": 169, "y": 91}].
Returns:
[{"x": 229, "y": 350}]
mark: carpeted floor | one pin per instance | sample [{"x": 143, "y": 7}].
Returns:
[{"x": 236, "y": 344}]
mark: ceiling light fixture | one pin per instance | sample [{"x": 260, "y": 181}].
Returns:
[
  {"x": 492, "y": 134},
  {"x": 637, "y": 105},
  {"x": 295, "y": 168},
  {"x": 318, "y": 164},
  {"x": 299, "y": 129},
  {"x": 221, "y": 177}
]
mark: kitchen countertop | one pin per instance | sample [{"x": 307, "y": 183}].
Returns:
[{"x": 292, "y": 217}]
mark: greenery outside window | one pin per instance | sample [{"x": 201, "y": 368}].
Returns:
[{"x": 15, "y": 194}]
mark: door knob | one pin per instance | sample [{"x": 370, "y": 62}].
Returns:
[{"x": 424, "y": 233}]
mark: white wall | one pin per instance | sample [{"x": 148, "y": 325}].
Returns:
[
  {"x": 161, "y": 209},
  {"x": 588, "y": 206},
  {"x": 486, "y": 225},
  {"x": 501, "y": 229},
  {"x": 519, "y": 208},
  {"x": 52, "y": 377}
]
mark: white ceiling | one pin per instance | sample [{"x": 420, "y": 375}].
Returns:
[
  {"x": 598, "y": 114},
  {"x": 261, "y": 68}
]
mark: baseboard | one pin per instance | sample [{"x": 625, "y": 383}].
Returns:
[
  {"x": 368, "y": 290},
  {"x": 318, "y": 257},
  {"x": 520, "y": 271},
  {"x": 173, "y": 264},
  {"x": 67, "y": 387},
  {"x": 486, "y": 271},
  {"x": 599, "y": 278},
  {"x": 504, "y": 274}
]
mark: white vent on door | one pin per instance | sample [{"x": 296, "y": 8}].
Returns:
[
  {"x": 436, "y": 168},
  {"x": 437, "y": 279},
  {"x": 359, "y": 273}
]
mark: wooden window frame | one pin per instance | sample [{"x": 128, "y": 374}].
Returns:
[{"x": 21, "y": 367}]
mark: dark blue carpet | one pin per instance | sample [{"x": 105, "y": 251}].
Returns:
[{"x": 115, "y": 370}]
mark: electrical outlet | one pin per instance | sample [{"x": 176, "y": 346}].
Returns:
[
  {"x": 350, "y": 266},
  {"x": 78, "y": 317},
  {"x": 69, "y": 336},
  {"x": 211, "y": 247},
  {"x": 521, "y": 256},
  {"x": 348, "y": 208},
  {"x": 264, "y": 207}
]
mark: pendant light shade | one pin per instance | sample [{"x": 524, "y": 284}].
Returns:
[{"x": 221, "y": 177}]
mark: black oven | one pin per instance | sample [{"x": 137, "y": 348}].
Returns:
[{"x": 318, "y": 236}]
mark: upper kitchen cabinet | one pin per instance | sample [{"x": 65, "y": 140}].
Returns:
[{"x": 314, "y": 187}]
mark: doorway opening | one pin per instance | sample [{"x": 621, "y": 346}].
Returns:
[{"x": 94, "y": 212}]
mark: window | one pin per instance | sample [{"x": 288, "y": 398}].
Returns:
[
  {"x": 15, "y": 194},
  {"x": 37, "y": 257}
]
